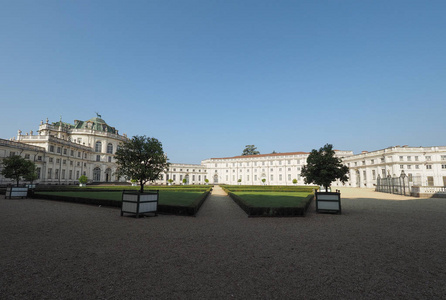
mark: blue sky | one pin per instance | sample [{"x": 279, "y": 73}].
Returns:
[{"x": 208, "y": 77}]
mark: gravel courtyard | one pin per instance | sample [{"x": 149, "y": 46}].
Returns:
[{"x": 382, "y": 247}]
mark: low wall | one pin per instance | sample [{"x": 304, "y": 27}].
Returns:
[{"x": 428, "y": 191}]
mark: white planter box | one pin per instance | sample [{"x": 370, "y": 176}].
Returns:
[
  {"x": 82, "y": 184},
  {"x": 328, "y": 202},
  {"x": 139, "y": 203},
  {"x": 16, "y": 192}
]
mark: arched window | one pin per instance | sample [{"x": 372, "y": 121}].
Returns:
[
  {"x": 110, "y": 148},
  {"x": 97, "y": 174},
  {"x": 98, "y": 147}
]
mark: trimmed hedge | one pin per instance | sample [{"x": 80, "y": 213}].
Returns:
[
  {"x": 268, "y": 211},
  {"x": 272, "y": 211},
  {"x": 190, "y": 210}
]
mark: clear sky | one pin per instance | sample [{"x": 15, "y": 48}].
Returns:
[{"x": 208, "y": 77}]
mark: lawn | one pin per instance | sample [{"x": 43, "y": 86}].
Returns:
[
  {"x": 271, "y": 200},
  {"x": 174, "y": 197},
  {"x": 274, "y": 199}
]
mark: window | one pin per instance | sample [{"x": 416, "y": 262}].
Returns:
[
  {"x": 383, "y": 159},
  {"x": 416, "y": 158},
  {"x": 98, "y": 158},
  {"x": 71, "y": 162},
  {"x": 247, "y": 164},
  {"x": 280, "y": 162},
  {"x": 372, "y": 161},
  {"x": 428, "y": 158},
  {"x": 70, "y": 174},
  {"x": 56, "y": 174},
  {"x": 247, "y": 177},
  {"x": 50, "y": 159},
  {"x": 72, "y": 152},
  {"x": 98, "y": 147},
  {"x": 401, "y": 166},
  {"x": 38, "y": 173},
  {"x": 280, "y": 169},
  {"x": 64, "y": 162},
  {"x": 39, "y": 158},
  {"x": 110, "y": 148},
  {"x": 78, "y": 154},
  {"x": 78, "y": 164},
  {"x": 65, "y": 151},
  {"x": 289, "y": 169},
  {"x": 280, "y": 177},
  {"x": 417, "y": 166},
  {"x": 271, "y": 169},
  {"x": 409, "y": 167},
  {"x": 63, "y": 174},
  {"x": 193, "y": 177},
  {"x": 272, "y": 177},
  {"x": 363, "y": 162},
  {"x": 430, "y": 181},
  {"x": 174, "y": 177},
  {"x": 181, "y": 177},
  {"x": 26, "y": 156},
  {"x": 289, "y": 177},
  {"x": 383, "y": 173},
  {"x": 50, "y": 173},
  {"x": 51, "y": 148},
  {"x": 109, "y": 159},
  {"x": 289, "y": 162},
  {"x": 373, "y": 174},
  {"x": 255, "y": 177},
  {"x": 85, "y": 165},
  {"x": 401, "y": 158},
  {"x": 57, "y": 160},
  {"x": 443, "y": 166},
  {"x": 59, "y": 150},
  {"x": 199, "y": 177},
  {"x": 429, "y": 167},
  {"x": 409, "y": 158},
  {"x": 443, "y": 157}
]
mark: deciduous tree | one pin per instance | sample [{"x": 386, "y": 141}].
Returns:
[
  {"x": 323, "y": 167},
  {"x": 141, "y": 158},
  {"x": 16, "y": 167}
]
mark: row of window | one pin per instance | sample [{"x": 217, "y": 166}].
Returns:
[
  {"x": 174, "y": 177},
  {"x": 271, "y": 163},
  {"x": 428, "y": 167},
  {"x": 261, "y": 178},
  {"x": 255, "y": 170},
  {"x": 98, "y": 147},
  {"x": 408, "y": 158},
  {"x": 63, "y": 173}
]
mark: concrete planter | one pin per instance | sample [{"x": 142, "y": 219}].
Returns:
[
  {"x": 139, "y": 203},
  {"x": 82, "y": 184},
  {"x": 328, "y": 202},
  {"x": 16, "y": 192}
]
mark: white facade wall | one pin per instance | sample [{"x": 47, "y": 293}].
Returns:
[
  {"x": 425, "y": 165},
  {"x": 275, "y": 169}
]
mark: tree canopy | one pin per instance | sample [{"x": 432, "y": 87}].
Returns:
[
  {"x": 250, "y": 150},
  {"x": 323, "y": 167},
  {"x": 141, "y": 158},
  {"x": 16, "y": 167}
]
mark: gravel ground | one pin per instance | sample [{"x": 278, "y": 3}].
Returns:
[{"x": 382, "y": 247}]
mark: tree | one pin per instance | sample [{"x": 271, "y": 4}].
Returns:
[
  {"x": 294, "y": 181},
  {"x": 16, "y": 168},
  {"x": 263, "y": 180},
  {"x": 184, "y": 180},
  {"x": 141, "y": 158},
  {"x": 206, "y": 180},
  {"x": 250, "y": 150},
  {"x": 170, "y": 181},
  {"x": 83, "y": 179},
  {"x": 323, "y": 167}
]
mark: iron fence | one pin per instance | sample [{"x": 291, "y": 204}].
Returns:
[{"x": 400, "y": 185}]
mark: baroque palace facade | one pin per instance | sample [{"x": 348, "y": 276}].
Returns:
[{"x": 63, "y": 152}]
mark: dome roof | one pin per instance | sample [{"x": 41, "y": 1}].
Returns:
[{"x": 95, "y": 123}]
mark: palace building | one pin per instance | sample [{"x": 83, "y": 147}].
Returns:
[{"x": 63, "y": 152}]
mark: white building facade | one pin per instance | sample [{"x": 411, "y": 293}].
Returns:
[{"x": 63, "y": 152}]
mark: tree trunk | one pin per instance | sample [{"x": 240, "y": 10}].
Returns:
[
  {"x": 18, "y": 180},
  {"x": 141, "y": 190}
]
